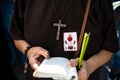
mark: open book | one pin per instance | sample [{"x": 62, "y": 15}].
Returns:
[{"x": 56, "y": 68}]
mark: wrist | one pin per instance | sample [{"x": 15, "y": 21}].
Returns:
[
  {"x": 27, "y": 49},
  {"x": 90, "y": 66}
]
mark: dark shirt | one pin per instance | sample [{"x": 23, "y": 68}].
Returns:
[
  {"x": 6, "y": 68},
  {"x": 33, "y": 21}
]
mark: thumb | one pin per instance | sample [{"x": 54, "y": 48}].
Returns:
[{"x": 35, "y": 66}]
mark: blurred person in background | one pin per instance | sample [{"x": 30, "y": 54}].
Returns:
[
  {"x": 114, "y": 73},
  {"x": 7, "y": 73},
  {"x": 18, "y": 60}
]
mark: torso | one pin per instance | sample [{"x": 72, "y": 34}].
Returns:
[{"x": 39, "y": 29}]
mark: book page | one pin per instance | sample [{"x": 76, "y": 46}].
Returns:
[{"x": 55, "y": 67}]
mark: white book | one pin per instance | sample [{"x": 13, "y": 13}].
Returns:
[{"x": 56, "y": 68}]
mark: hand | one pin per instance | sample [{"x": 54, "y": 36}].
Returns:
[
  {"x": 83, "y": 73},
  {"x": 34, "y": 54},
  {"x": 25, "y": 67}
]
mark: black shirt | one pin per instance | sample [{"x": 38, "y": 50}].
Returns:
[{"x": 33, "y": 21}]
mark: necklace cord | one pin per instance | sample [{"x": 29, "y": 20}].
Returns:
[{"x": 66, "y": 10}]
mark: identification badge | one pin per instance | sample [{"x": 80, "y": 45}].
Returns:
[{"x": 70, "y": 41}]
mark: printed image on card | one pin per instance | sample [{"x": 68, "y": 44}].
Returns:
[{"x": 70, "y": 41}]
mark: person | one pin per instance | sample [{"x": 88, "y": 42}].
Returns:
[
  {"x": 34, "y": 29},
  {"x": 18, "y": 60},
  {"x": 114, "y": 73},
  {"x": 5, "y": 52}
]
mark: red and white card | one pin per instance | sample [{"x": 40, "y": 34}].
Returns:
[{"x": 70, "y": 41}]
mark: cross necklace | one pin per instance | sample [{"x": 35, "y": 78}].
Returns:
[{"x": 59, "y": 24}]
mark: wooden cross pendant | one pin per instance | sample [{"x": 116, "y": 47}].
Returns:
[{"x": 59, "y": 25}]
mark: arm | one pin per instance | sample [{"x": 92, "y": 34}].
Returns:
[
  {"x": 17, "y": 34},
  {"x": 21, "y": 45},
  {"x": 90, "y": 65},
  {"x": 98, "y": 60},
  {"x": 33, "y": 54}
]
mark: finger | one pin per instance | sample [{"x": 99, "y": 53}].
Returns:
[
  {"x": 72, "y": 62},
  {"x": 45, "y": 53},
  {"x": 34, "y": 63},
  {"x": 35, "y": 66}
]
